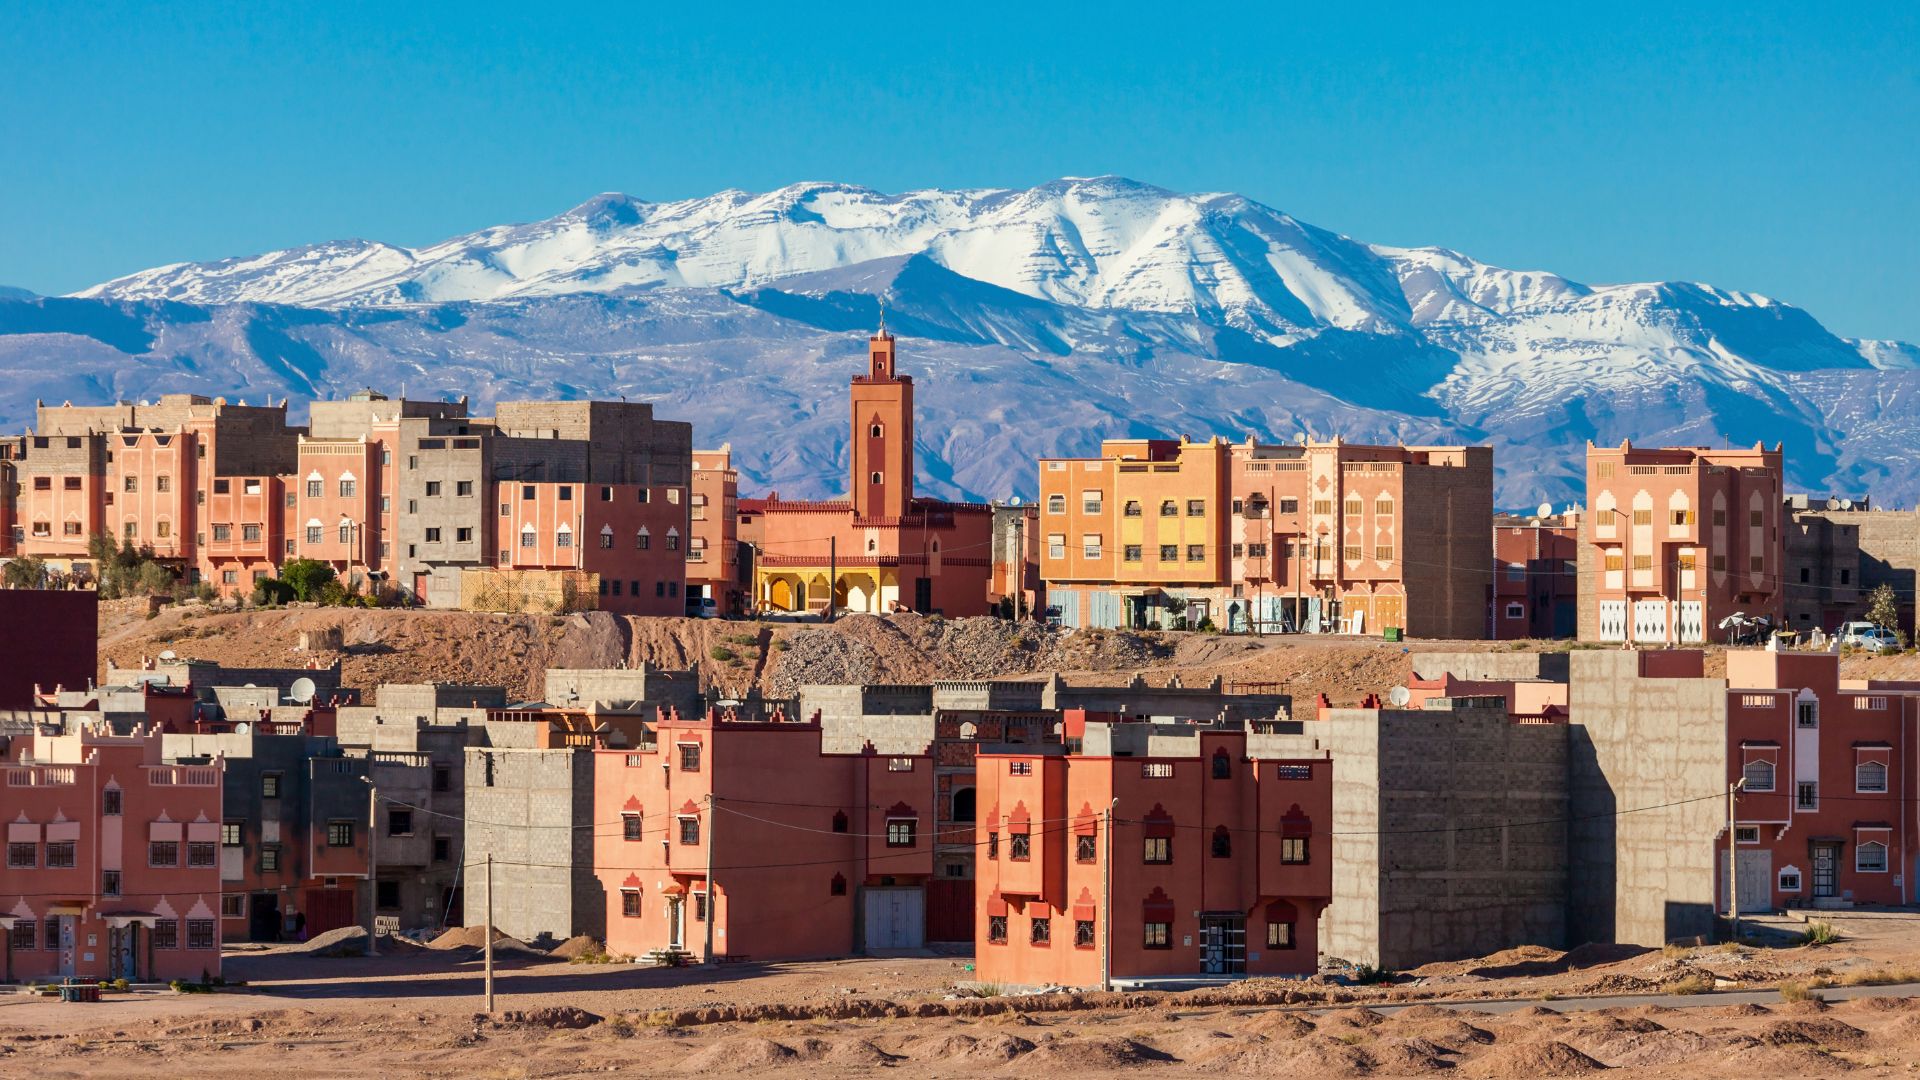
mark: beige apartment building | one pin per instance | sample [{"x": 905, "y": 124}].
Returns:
[
  {"x": 1313, "y": 537},
  {"x": 1678, "y": 540}
]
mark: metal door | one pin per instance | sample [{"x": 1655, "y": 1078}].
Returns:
[
  {"x": 1223, "y": 945},
  {"x": 1826, "y": 865},
  {"x": 66, "y": 945},
  {"x": 120, "y": 951},
  {"x": 895, "y": 918},
  {"x": 1756, "y": 881}
]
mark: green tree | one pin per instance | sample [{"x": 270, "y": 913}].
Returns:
[
  {"x": 305, "y": 577},
  {"x": 154, "y": 578},
  {"x": 1883, "y": 607},
  {"x": 25, "y": 572}
]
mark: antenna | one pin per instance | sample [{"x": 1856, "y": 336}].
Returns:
[
  {"x": 302, "y": 690},
  {"x": 1399, "y": 696}
]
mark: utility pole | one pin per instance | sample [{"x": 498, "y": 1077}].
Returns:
[
  {"x": 833, "y": 572},
  {"x": 712, "y": 892},
  {"x": 489, "y": 934},
  {"x": 1733, "y": 860},
  {"x": 1106, "y": 902},
  {"x": 1019, "y": 561},
  {"x": 373, "y": 860}
]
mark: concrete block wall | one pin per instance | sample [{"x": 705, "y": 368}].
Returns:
[
  {"x": 1446, "y": 546},
  {"x": 1426, "y": 866},
  {"x": 533, "y": 811},
  {"x": 1643, "y": 871},
  {"x": 652, "y": 687},
  {"x": 1493, "y": 666}
]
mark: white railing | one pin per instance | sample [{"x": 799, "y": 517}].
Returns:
[
  {"x": 40, "y": 776},
  {"x": 183, "y": 776}
]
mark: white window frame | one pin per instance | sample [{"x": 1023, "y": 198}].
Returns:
[
  {"x": 1773, "y": 775},
  {"x": 1860, "y": 849},
  {"x": 1859, "y": 788}
]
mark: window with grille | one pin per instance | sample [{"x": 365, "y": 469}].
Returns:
[
  {"x": 1869, "y": 777},
  {"x": 163, "y": 853},
  {"x": 1169, "y": 552},
  {"x": 1293, "y": 850},
  {"x": 1090, "y": 502},
  {"x": 630, "y": 903},
  {"x": 1807, "y": 795},
  {"x": 902, "y": 832},
  {"x": 1350, "y": 552},
  {"x": 1758, "y": 776},
  {"x": 1383, "y": 507},
  {"x": 201, "y": 853},
  {"x": 1156, "y": 770},
  {"x": 1383, "y": 553},
  {"x": 166, "y": 933},
  {"x": 1870, "y": 858},
  {"x": 1157, "y": 850},
  {"x": 1158, "y": 935},
  {"x": 1020, "y": 847},
  {"x": 1085, "y": 848},
  {"x": 110, "y": 802},
  {"x": 1279, "y": 935},
  {"x": 60, "y": 854},
  {"x": 1131, "y": 553},
  {"x": 339, "y": 834},
  {"x": 1083, "y": 933},
  {"x": 1355, "y": 507},
  {"x": 689, "y": 830},
  {"x": 689, "y": 757},
  {"x": 1040, "y": 931},
  {"x": 1056, "y": 504},
  {"x": 996, "y": 929}
]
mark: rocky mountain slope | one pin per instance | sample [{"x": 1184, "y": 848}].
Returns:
[{"x": 1035, "y": 322}]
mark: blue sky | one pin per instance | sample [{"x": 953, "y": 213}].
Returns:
[{"x": 1773, "y": 148}]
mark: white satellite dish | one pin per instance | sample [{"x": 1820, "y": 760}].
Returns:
[
  {"x": 1015, "y": 501},
  {"x": 302, "y": 690},
  {"x": 1545, "y": 510},
  {"x": 168, "y": 654},
  {"x": 1399, "y": 696},
  {"x": 242, "y": 728}
]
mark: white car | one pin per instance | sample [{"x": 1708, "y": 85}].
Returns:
[
  {"x": 703, "y": 607},
  {"x": 1865, "y": 635}
]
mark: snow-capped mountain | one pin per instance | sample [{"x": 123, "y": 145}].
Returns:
[{"x": 1045, "y": 319}]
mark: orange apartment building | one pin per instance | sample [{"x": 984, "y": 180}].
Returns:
[
  {"x": 633, "y": 537},
  {"x": 1151, "y": 851},
  {"x": 881, "y": 549},
  {"x": 746, "y": 835},
  {"x": 1678, "y": 539},
  {"x": 1316, "y": 537},
  {"x": 112, "y": 868},
  {"x": 714, "y": 569}
]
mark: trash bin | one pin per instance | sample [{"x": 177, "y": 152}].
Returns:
[{"x": 1391, "y": 633}]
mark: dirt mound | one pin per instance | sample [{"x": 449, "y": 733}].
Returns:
[
  {"x": 1277, "y": 1025},
  {"x": 342, "y": 941},
  {"x": 1632, "y": 1049},
  {"x": 1882, "y": 1004},
  {"x": 464, "y": 937},
  {"x": 1399, "y": 1057},
  {"x": 1813, "y": 1006},
  {"x": 989, "y": 1048},
  {"x": 736, "y": 1053},
  {"x": 559, "y": 1017},
  {"x": 1746, "y": 1009},
  {"x": 1825, "y": 1033},
  {"x": 1535, "y": 1010},
  {"x": 219, "y": 1025},
  {"x": 1449, "y": 1031},
  {"x": 1594, "y": 955},
  {"x": 575, "y": 947},
  {"x": 1524, "y": 1061},
  {"x": 1353, "y": 1019},
  {"x": 1321, "y": 1056},
  {"x": 1424, "y": 1012},
  {"x": 1616, "y": 983},
  {"x": 1093, "y": 1052}
]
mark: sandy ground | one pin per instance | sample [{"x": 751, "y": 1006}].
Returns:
[{"x": 1512, "y": 1015}]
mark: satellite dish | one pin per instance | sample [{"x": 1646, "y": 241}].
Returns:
[
  {"x": 1015, "y": 500},
  {"x": 1846, "y": 504},
  {"x": 1545, "y": 510},
  {"x": 302, "y": 690},
  {"x": 242, "y": 728},
  {"x": 1399, "y": 696},
  {"x": 168, "y": 654}
]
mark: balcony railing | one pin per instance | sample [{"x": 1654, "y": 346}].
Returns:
[
  {"x": 40, "y": 776},
  {"x": 183, "y": 776}
]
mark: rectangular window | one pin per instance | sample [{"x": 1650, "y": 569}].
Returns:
[
  {"x": 630, "y": 827},
  {"x": 1040, "y": 931},
  {"x": 996, "y": 929},
  {"x": 229, "y": 577},
  {"x": 442, "y": 849},
  {"x": 1807, "y": 714},
  {"x": 21, "y": 937},
  {"x": 1642, "y": 562},
  {"x": 1323, "y": 506},
  {"x": 23, "y": 856},
  {"x": 1289, "y": 506},
  {"x": 433, "y": 488},
  {"x": 689, "y": 757},
  {"x": 339, "y": 834},
  {"x": 166, "y": 933},
  {"x": 399, "y": 822},
  {"x": 1383, "y": 553},
  {"x": 433, "y": 536},
  {"x": 1756, "y": 563},
  {"x": 270, "y": 858},
  {"x": 202, "y": 853},
  {"x": 131, "y": 483},
  {"x": 1196, "y": 508},
  {"x": 1293, "y": 850},
  {"x": 1090, "y": 502},
  {"x": 1870, "y": 858},
  {"x": 1020, "y": 847},
  {"x": 1019, "y": 768},
  {"x": 463, "y": 487},
  {"x": 630, "y": 903},
  {"x": 1131, "y": 553},
  {"x": 1754, "y": 518},
  {"x": 313, "y": 489},
  {"x": 1196, "y": 552},
  {"x": 902, "y": 832},
  {"x": 1279, "y": 935},
  {"x": 163, "y": 853},
  {"x": 566, "y": 493},
  {"x": 386, "y": 895},
  {"x": 110, "y": 882},
  {"x": 346, "y": 533},
  {"x": 1056, "y": 504},
  {"x": 1158, "y": 851},
  {"x": 270, "y": 785},
  {"x": 1056, "y": 545},
  {"x": 1090, "y": 545},
  {"x": 200, "y": 934},
  {"x": 60, "y": 854},
  {"x": 1807, "y": 795},
  {"x": 1256, "y": 551},
  {"x": 110, "y": 802},
  {"x": 346, "y": 489},
  {"x": 689, "y": 830},
  {"x": 1169, "y": 552},
  {"x": 1159, "y": 935},
  {"x": 314, "y": 534},
  {"x": 1350, "y": 552},
  {"x": 230, "y": 833},
  {"x": 233, "y": 906},
  {"x": 993, "y": 845}
]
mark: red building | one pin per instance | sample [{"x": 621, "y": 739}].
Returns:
[
  {"x": 881, "y": 548},
  {"x": 112, "y": 868},
  {"x": 790, "y": 852},
  {"x": 714, "y": 569},
  {"x": 1536, "y": 583},
  {"x": 1822, "y": 818},
  {"x": 1152, "y": 851},
  {"x": 634, "y": 536}
]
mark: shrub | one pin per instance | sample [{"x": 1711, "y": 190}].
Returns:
[
  {"x": 331, "y": 594},
  {"x": 121, "y": 985},
  {"x": 722, "y": 653},
  {"x": 1880, "y": 977},
  {"x": 989, "y": 989},
  {"x": 1692, "y": 984},
  {"x": 25, "y": 572},
  {"x": 781, "y": 645},
  {"x": 1795, "y": 991},
  {"x": 1820, "y": 933},
  {"x": 271, "y": 592},
  {"x": 306, "y": 576},
  {"x": 1370, "y": 975}
]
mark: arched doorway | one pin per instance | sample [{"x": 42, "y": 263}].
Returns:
[
  {"x": 963, "y": 805},
  {"x": 780, "y": 594}
]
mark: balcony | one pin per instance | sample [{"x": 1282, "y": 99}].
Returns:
[
  {"x": 182, "y": 776},
  {"x": 41, "y": 776}
]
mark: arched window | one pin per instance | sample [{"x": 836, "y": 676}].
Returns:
[
  {"x": 963, "y": 805},
  {"x": 1222, "y": 765},
  {"x": 873, "y": 478},
  {"x": 529, "y": 536},
  {"x": 606, "y": 536},
  {"x": 1758, "y": 775},
  {"x": 1169, "y": 509},
  {"x": 1222, "y": 843},
  {"x": 839, "y": 886},
  {"x": 642, "y": 540},
  {"x": 876, "y": 431},
  {"x": 1870, "y": 777},
  {"x": 839, "y": 821}
]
